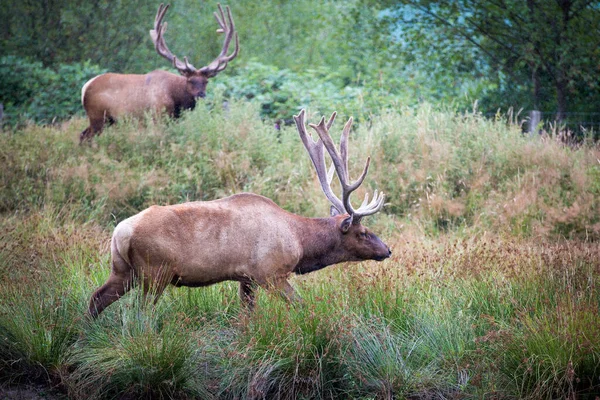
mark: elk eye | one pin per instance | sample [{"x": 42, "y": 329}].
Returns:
[{"x": 363, "y": 235}]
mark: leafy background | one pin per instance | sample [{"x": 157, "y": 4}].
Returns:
[{"x": 365, "y": 55}]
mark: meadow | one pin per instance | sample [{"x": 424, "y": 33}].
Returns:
[{"x": 492, "y": 290}]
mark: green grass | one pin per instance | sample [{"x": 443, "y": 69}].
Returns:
[
  {"x": 141, "y": 351},
  {"x": 491, "y": 292}
]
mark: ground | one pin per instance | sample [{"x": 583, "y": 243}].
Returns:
[{"x": 29, "y": 392}]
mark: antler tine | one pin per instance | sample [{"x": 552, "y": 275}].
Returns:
[
  {"x": 223, "y": 65},
  {"x": 366, "y": 200},
  {"x": 317, "y": 156},
  {"x": 158, "y": 38},
  {"x": 340, "y": 163},
  {"x": 374, "y": 206},
  {"x": 223, "y": 28},
  {"x": 162, "y": 9},
  {"x": 220, "y": 63},
  {"x": 221, "y": 20},
  {"x": 237, "y": 40},
  {"x": 332, "y": 167},
  {"x": 331, "y": 119},
  {"x": 344, "y": 145}
]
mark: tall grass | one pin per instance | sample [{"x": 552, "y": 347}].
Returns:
[
  {"x": 492, "y": 289},
  {"x": 140, "y": 351}
]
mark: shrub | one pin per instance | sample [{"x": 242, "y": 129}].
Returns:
[
  {"x": 30, "y": 91},
  {"x": 280, "y": 92}
]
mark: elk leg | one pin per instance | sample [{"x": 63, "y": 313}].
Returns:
[
  {"x": 96, "y": 126},
  {"x": 247, "y": 295},
  {"x": 85, "y": 134},
  {"x": 120, "y": 281},
  {"x": 287, "y": 291},
  {"x": 97, "y": 122},
  {"x": 114, "y": 288}
]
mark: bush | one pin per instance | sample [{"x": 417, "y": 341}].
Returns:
[
  {"x": 29, "y": 91},
  {"x": 281, "y": 92}
]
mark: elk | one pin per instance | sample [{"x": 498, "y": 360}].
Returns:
[
  {"x": 244, "y": 237},
  {"x": 109, "y": 96}
]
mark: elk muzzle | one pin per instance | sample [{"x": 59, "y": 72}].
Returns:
[
  {"x": 384, "y": 256},
  {"x": 382, "y": 251}
]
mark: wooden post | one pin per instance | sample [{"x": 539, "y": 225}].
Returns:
[{"x": 534, "y": 119}]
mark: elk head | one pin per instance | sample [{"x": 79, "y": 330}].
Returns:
[
  {"x": 357, "y": 242},
  {"x": 197, "y": 79}
]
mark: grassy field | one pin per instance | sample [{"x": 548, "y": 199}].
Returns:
[{"x": 491, "y": 292}]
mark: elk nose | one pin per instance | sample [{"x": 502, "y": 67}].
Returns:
[{"x": 389, "y": 252}]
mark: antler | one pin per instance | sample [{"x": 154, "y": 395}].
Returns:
[
  {"x": 158, "y": 38},
  {"x": 340, "y": 164},
  {"x": 220, "y": 63},
  {"x": 315, "y": 151},
  {"x": 185, "y": 68}
]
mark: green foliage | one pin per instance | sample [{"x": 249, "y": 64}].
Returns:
[
  {"x": 150, "y": 353},
  {"x": 366, "y": 56},
  {"x": 533, "y": 55},
  {"x": 43, "y": 95},
  {"x": 281, "y": 93},
  {"x": 72, "y": 32}
]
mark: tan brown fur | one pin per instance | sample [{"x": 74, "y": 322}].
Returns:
[
  {"x": 245, "y": 238},
  {"x": 110, "y": 96}
]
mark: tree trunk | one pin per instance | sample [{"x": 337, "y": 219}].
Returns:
[
  {"x": 536, "y": 87},
  {"x": 561, "y": 77},
  {"x": 561, "y": 98}
]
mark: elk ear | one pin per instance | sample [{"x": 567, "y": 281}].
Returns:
[
  {"x": 346, "y": 223},
  {"x": 333, "y": 211}
]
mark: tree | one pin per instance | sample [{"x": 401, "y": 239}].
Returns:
[
  {"x": 67, "y": 31},
  {"x": 546, "y": 46}
]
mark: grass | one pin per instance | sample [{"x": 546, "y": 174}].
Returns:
[{"x": 491, "y": 292}]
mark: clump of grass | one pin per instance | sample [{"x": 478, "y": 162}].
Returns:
[
  {"x": 550, "y": 354},
  {"x": 286, "y": 352},
  {"x": 213, "y": 304},
  {"x": 138, "y": 351},
  {"x": 37, "y": 328},
  {"x": 389, "y": 364}
]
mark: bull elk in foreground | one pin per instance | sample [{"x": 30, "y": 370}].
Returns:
[
  {"x": 110, "y": 96},
  {"x": 244, "y": 237}
]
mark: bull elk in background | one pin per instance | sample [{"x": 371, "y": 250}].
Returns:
[
  {"x": 108, "y": 96},
  {"x": 244, "y": 237}
]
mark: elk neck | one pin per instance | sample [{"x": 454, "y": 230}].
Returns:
[
  {"x": 182, "y": 99},
  {"x": 173, "y": 89},
  {"x": 320, "y": 240}
]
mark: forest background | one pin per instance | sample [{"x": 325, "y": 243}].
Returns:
[{"x": 357, "y": 56}]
